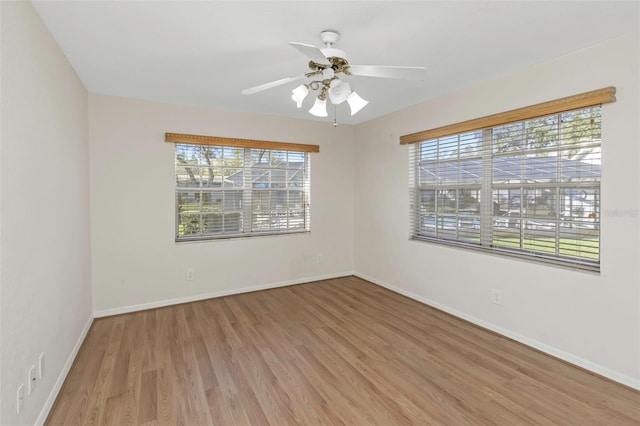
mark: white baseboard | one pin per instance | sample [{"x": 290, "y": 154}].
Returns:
[
  {"x": 558, "y": 353},
  {"x": 63, "y": 374},
  {"x": 176, "y": 301}
]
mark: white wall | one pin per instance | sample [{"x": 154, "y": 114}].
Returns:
[
  {"x": 589, "y": 319},
  {"x": 137, "y": 264},
  {"x": 45, "y": 258}
]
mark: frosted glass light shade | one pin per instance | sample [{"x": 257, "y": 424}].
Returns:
[
  {"x": 319, "y": 109},
  {"x": 338, "y": 92},
  {"x": 356, "y": 103},
  {"x": 299, "y": 93},
  {"x": 328, "y": 73}
]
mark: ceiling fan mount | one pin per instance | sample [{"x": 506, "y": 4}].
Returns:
[{"x": 329, "y": 37}]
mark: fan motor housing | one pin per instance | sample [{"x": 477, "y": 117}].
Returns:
[{"x": 339, "y": 65}]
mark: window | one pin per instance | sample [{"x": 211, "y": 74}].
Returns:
[
  {"x": 527, "y": 188},
  {"x": 225, "y": 191}
]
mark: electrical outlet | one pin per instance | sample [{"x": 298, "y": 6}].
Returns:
[
  {"x": 31, "y": 386},
  {"x": 319, "y": 258},
  {"x": 191, "y": 274},
  {"x": 41, "y": 366},
  {"x": 20, "y": 398},
  {"x": 496, "y": 296}
]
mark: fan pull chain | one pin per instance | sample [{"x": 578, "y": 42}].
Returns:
[{"x": 335, "y": 115}]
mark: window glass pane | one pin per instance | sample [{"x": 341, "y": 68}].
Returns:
[
  {"x": 541, "y": 132},
  {"x": 579, "y": 240},
  {"x": 428, "y": 200},
  {"x": 428, "y": 150},
  {"x": 507, "y": 170},
  {"x": 543, "y": 175},
  {"x": 580, "y": 126},
  {"x": 188, "y": 224},
  {"x": 469, "y": 228},
  {"x": 212, "y": 223},
  {"x": 232, "y": 201},
  {"x": 261, "y": 200},
  {"x": 580, "y": 164},
  {"x": 233, "y": 157},
  {"x": 541, "y": 203},
  {"x": 259, "y": 156},
  {"x": 541, "y": 167},
  {"x": 447, "y": 172},
  {"x": 447, "y": 226},
  {"x": 508, "y": 138},
  {"x": 279, "y": 199},
  {"x": 211, "y": 199},
  {"x": 506, "y": 221},
  {"x": 211, "y": 156},
  {"x": 428, "y": 173},
  {"x": 211, "y": 178},
  {"x": 187, "y": 154},
  {"x": 506, "y": 200},
  {"x": 279, "y": 220},
  {"x": 469, "y": 201},
  {"x": 428, "y": 224},
  {"x": 296, "y": 200},
  {"x": 296, "y": 219},
  {"x": 540, "y": 237},
  {"x": 448, "y": 147},
  {"x": 580, "y": 207},
  {"x": 279, "y": 159},
  {"x": 471, "y": 171},
  {"x": 295, "y": 178},
  {"x": 296, "y": 160},
  {"x": 446, "y": 202},
  {"x": 232, "y": 222},
  {"x": 232, "y": 178},
  {"x": 470, "y": 144},
  {"x": 260, "y": 178},
  {"x": 187, "y": 177},
  {"x": 260, "y": 221},
  {"x": 279, "y": 178},
  {"x": 188, "y": 201}
]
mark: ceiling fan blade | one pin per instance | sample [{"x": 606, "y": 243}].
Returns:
[
  {"x": 265, "y": 86},
  {"x": 311, "y": 52},
  {"x": 407, "y": 73}
]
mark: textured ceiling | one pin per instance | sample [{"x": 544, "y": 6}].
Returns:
[{"x": 206, "y": 52}]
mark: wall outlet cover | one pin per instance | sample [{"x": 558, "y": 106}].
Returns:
[
  {"x": 41, "y": 366},
  {"x": 31, "y": 386},
  {"x": 20, "y": 398}
]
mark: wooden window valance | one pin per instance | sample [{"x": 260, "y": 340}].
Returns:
[
  {"x": 568, "y": 103},
  {"x": 243, "y": 143}
]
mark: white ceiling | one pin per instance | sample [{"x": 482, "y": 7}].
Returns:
[{"x": 206, "y": 52}]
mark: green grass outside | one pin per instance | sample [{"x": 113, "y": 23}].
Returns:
[
  {"x": 587, "y": 248},
  {"x": 584, "y": 248}
]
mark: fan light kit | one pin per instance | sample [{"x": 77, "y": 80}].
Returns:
[{"x": 326, "y": 65}]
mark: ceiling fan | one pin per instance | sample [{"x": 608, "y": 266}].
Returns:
[{"x": 326, "y": 65}]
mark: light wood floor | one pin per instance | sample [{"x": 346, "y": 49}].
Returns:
[{"x": 341, "y": 351}]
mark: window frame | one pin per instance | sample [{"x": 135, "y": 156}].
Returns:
[
  {"x": 245, "y": 206},
  {"x": 481, "y": 223}
]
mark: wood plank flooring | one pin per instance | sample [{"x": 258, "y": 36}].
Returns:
[{"x": 341, "y": 351}]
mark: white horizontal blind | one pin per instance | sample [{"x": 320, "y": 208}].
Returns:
[
  {"x": 230, "y": 191},
  {"x": 529, "y": 188},
  {"x": 449, "y": 184}
]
